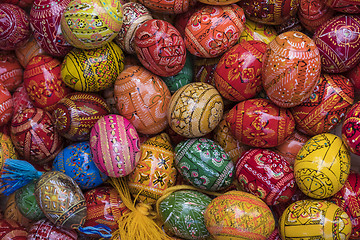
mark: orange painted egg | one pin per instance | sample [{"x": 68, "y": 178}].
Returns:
[
  {"x": 25, "y": 53},
  {"x": 168, "y": 6},
  {"x": 291, "y": 69},
  {"x": 258, "y": 31},
  {"x": 212, "y": 30},
  {"x": 142, "y": 98},
  {"x": 6, "y": 105},
  {"x": 11, "y": 72}
]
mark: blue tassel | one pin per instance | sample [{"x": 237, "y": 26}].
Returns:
[
  {"x": 15, "y": 174},
  {"x": 98, "y": 229}
]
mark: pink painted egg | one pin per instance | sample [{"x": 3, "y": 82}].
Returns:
[
  {"x": 43, "y": 83},
  {"x": 160, "y": 47},
  {"x": 238, "y": 74},
  {"x": 168, "y": 6},
  {"x": 115, "y": 145},
  {"x": 213, "y": 30},
  {"x": 14, "y": 25},
  {"x": 291, "y": 69},
  {"x": 45, "y": 230},
  {"x": 346, "y": 6},
  {"x": 338, "y": 41},
  {"x": 45, "y": 16},
  {"x": 11, "y": 72},
  {"x": 6, "y": 105}
]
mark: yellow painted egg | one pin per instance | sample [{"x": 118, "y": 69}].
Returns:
[
  {"x": 322, "y": 166},
  {"x": 155, "y": 171},
  {"x": 314, "y": 219},
  {"x": 258, "y": 31}
]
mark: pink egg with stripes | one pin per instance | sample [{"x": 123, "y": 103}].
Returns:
[{"x": 115, "y": 145}]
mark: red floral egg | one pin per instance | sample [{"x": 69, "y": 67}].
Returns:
[
  {"x": 350, "y": 130},
  {"x": 260, "y": 123},
  {"x": 338, "y": 41},
  {"x": 22, "y": 100},
  {"x": 160, "y": 47},
  {"x": 25, "y": 53},
  {"x": 327, "y": 105},
  {"x": 45, "y": 16},
  {"x": 212, "y": 30},
  {"x": 43, "y": 83},
  {"x": 14, "y": 25},
  {"x": 168, "y": 6},
  {"x": 34, "y": 136},
  {"x": 6, "y": 105},
  {"x": 11, "y": 72},
  {"x": 291, "y": 69},
  {"x": 45, "y": 230},
  {"x": 238, "y": 74},
  {"x": 346, "y": 6},
  {"x": 11, "y": 230}
]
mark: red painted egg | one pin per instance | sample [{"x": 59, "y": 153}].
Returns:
[
  {"x": 14, "y": 25},
  {"x": 326, "y": 106},
  {"x": 354, "y": 76},
  {"x": 168, "y": 6},
  {"x": 272, "y": 12},
  {"x": 182, "y": 19},
  {"x": 11, "y": 72},
  {"x": 45, "y": 230},
  {"x": 338, "y": 41},
  {"x": 43, "y": 83},
  {"x": 350, "y": 130},
  {"x": 45, "y": 16},
  {"x": 11, "y": 230},
  {"x": 25, "y": 53},
  {"x": 346, "y": 6},
  {"x": 291, "y": 69},
  {"x": 21, "y": 3},
  {"x": 260, "y": 123},
  {"x": 34, "y": 136},
  {"x": 213, "y": 30},
  {"x": 22, "y": 100},
  {"x": 238, "y": 74},
  {"x": 160, "y": 47},
  {"x": 6, "y": 105}
]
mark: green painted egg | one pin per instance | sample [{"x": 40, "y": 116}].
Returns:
[
  {"x": 204, "y": 163},
  {"x": 183, "y": 214}
]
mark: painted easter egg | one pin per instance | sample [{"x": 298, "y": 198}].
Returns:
[
  {"x": 11, "y": 72},
  {"x": 91, "y": 24},
  {"x": 182, "y": 18},
  {"x": 92, "y": 70},
  {"x": 326, "y": 106},
  {"x": 25, "y": 53},
  {"x": 24, "y": 4},
  {"x": 195, "y": 110},
  {"x": 34, "y": 136},
  {"x": 135, "y": 14},
  {"x": 156, "y": 169},
  {"x": 291, "y": 68},
  {"x": 14, "y": 25},
  {"x": 6, "y": 105},
  {"x": 169, "y": 6},
  {"x": 346, "y": 6},
  {"x": 258, "y": 31},
  {"x": 350, "y": 129},
  {"x": 160, "y": 47},
  {"x": 43, "y": 82},
  {"x": 239, "y": 215},
  {"x": 293, "y": 24},
  {"x": 322, "y": 166},
  {"x": 67, "y": 209},
  {"x": 354, "y": 76},
  {"x": 76, "y": 161},
  {"x": 238, "y": 74},
  {"x": 219, "y": 2},
  {"x": 11, "y": 230},
  {"x": 142, "y": 98},
  {"x": 316, "y": 219},
  {"x": 45, "y": 230},
  {"x": 7, "y": 149},
  {"x": 22, "y": 100},
  {"x": 204, "y": 69},
  {"x": 77, "y": 113},
  {"x": 338, "y": 40},
  {"x": 12, "y": 212},
  {"x": 270, "y": 12},
  {"x": 204, "y": 164},
  {"x": 260, "y": 123},
  {"x": 212, "y": 30},
  {"x": 183, "y": 214},
  {"x": 121, "y": 141},
  {"x": 267, "y": 175},
  {"x": 45, "y": 19}
]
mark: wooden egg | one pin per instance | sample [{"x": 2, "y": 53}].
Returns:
[
  {"x": 12, "y": 212},
  {"x": 313, "y": 13},
  {"x": 143, "y": 99},
  {"x": 121, "y": 141},
  {"x": 160, "y": 47},
  {"x": 156, "y": 170},
  {"x": 22, "y": 100},
  {"x": 260, "y": 123},
  {"x": 182, "y": 18},
  {"x": 34, "y": 136},
  {"x": 238, "y": 74},
  {"x": 7, "y": 149},
  {"x": 350, "y": 129},
  {"x": 258, "y": 31},
  {"x": 92, "y": 70},
  {"x": 43, "y": 82},
  {"x": 14, "y": 25},
  {"x": 183, "y": 214},
  {"x": 291, "y": 69},
  {"x": 45, "y": 19},
  {"x": 346, "y": 6},
  {"x": 327, "y": 105},
  {"x": 61, "y": 200},
  {"x": 354, "y": 76},
  {"x": 45, "y": 230},
  {"x": 77, "y": 113},
  {"x": 317, "y": 219},
  {"x": 9, "y": 230},
  {"x": 169, "y": 6},
  {"x": 267, "y": 175},
  {"x": 195, "y": 110},
  {"x": 11, "y": 72},
  {"x": 322, "y": 166},
  {"x": 6, "y": 105},
  {"x": 213, "y": 30},
  {"x": 91, "y": 24},
  {"x": 239, "y": 215},
  {"x": 25, "y": 53},
  {"x": 337, "y": 41}
]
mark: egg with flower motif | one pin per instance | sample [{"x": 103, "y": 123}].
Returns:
[
  {"x": 45, "y": 230},
  {"x": 11, "y": 72}
]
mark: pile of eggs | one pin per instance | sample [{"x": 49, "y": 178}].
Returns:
[{"x": 233, "y": 119}]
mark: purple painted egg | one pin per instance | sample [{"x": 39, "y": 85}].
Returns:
[{"x": 346, "y": 6}]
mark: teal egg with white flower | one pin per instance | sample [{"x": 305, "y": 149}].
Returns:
[{"x": 204, "y": 164}]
